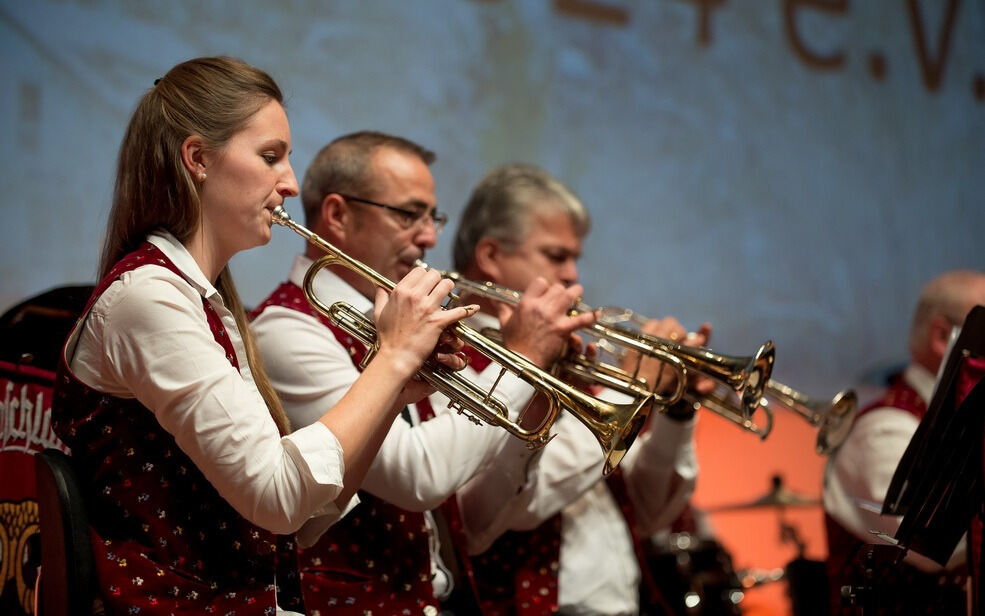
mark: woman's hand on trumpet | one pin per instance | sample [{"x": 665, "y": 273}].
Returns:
[
  {"x": 411, "y": 327},
  {"x": 539, "y": 326}
]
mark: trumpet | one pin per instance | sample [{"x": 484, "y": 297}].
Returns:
[
  {"x": 615, "y": 426},
  {"x": 725, "y": 404},
  {"x": 832, "y": 418},
  {"x": 747, "y": 376}
]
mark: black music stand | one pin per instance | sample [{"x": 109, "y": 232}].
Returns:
[{"x": 937, "y": 487}]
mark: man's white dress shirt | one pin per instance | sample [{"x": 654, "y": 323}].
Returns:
[
  {"x": 419, "y": 464},
  {"x": 599, "y": 573}
]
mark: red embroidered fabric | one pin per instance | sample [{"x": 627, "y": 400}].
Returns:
[
  {"x": 377, "y": 558},
  {"x": 518, "y": 574},
  {"x": 163, "y": 539},
  {"x": 899, "y": 395}
]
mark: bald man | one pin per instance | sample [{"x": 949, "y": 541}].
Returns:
[{"x": 859, "y": 473}]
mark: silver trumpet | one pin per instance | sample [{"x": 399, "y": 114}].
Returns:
[
  {"x": 833, "y": 418},
  {"x": 614, "y": 425}
]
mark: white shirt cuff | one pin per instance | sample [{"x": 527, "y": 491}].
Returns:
[
  {"x": 319, "y": 452},
  {"x": 669, "y": 439}
]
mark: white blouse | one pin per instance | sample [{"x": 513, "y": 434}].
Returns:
[{"x": 147, "y": 338}]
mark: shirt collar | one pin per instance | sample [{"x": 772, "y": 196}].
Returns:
[
  {"x": 182, "y": 259},
  {"x": 920, "y": 379},
  {"x": 328, "y": 287}
]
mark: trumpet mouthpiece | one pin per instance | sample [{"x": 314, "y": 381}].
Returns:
[{"x": 280, "y": 215}]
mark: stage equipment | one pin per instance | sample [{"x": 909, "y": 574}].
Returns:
[
  {"x": 695, "y": 575},
  {"x": 937, "y": 486},
  {"x": 779, "y": 497}
]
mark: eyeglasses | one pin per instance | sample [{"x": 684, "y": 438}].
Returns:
[{"x": 408, "y": 218}]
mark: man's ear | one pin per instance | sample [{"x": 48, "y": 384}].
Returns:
[
  {"x": 335, "y": 217},
  {"x": 487, "y": 257},
  {"x": 938, "y": 335},
  {"x": 195, "y": 156}
]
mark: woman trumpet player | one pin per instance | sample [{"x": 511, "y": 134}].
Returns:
[{"x": 175, "y": 433}]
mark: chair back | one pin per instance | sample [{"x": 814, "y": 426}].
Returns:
[{"x": 67, "y": 584}]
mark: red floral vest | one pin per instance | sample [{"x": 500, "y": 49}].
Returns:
[
  {"x": 518, "y": 574},
  {"x": 163, "y": 539},
  {"x": 938, "y": 594},
  {"x": 377, "y": 558}
]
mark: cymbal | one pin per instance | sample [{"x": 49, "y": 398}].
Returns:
[
  {"x": 753, "y": 578},
  {"x": 778, "y": 497}
]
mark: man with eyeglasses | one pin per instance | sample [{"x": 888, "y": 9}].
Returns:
[
  {"x": 858, "y": 474},
  {"x": 402, "y": 548}
]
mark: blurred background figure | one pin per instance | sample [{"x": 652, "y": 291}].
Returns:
[{"x": 858, "y": 475}]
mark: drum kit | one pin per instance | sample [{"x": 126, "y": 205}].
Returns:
[{"x": 696, "y": 574}]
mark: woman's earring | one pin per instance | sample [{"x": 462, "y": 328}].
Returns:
[{"x": 202, "y": 176}]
